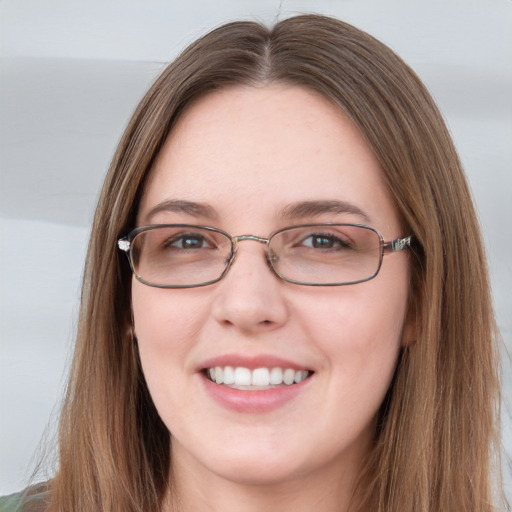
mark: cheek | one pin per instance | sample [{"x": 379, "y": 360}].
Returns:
[
  {"x": 359, "y": 318},
  {"x": 359, "y": 331},
  {"x": 160, "y": 318},
  {"x": 165, "y": 332}
]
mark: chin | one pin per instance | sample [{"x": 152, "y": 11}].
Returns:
[
  {"x": 244, "y": 463},
  {"x": 259, "y": 472}
]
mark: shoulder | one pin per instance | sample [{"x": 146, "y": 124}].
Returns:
[
  {"x": 11, "y": 503},
  {"x": 32, "y": 499}
]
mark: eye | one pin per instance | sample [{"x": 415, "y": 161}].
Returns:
[
  {"x": 325, "y": 241},
  {"x": 188, "y": 241}
]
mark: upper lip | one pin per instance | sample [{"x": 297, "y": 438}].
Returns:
[{"x": 251, "y": 362}]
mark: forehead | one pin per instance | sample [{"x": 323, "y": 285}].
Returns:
[{"x": 251, "y": 151}]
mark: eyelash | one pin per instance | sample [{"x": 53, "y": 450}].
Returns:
[
  {"x": 332, "y": 238},
  {"x": 182, "y": 237}
]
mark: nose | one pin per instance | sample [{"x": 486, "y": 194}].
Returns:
[{"x": 250, "y": 297}]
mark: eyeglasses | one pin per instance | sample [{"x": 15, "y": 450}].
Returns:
[{"x": 328, "y": 254}]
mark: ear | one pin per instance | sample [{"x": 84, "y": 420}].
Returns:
[
  {"x": 131, "y": 325},
  {"x": 130, "y": 331},
  {"x": 410, "y": 328}
]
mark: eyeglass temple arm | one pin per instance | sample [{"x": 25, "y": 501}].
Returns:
[{"x": 398, "y": 244}]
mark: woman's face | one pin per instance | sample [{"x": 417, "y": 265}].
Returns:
[{"x": 247, "y": 160}]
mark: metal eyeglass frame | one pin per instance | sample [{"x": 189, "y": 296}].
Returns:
[{"x": 396, "y": 245}]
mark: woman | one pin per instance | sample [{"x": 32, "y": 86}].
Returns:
[{"x": 304, "y": 318}]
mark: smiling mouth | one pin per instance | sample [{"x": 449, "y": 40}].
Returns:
[{"x": 258, "y": 379}]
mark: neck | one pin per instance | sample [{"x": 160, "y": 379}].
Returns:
[{"x": 194, "y": 487}]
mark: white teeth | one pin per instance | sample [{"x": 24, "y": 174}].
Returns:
[
  {"x": 288, "y": 376},
  {"x": 242, "y": 377},
  {"x": 276, "y": 376},
  {"x": 229, "y": 375},
  {"x": 260, "y": 377},
  {"x": 300, "y": 376}
]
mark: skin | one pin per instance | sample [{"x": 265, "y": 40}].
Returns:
[{"x": 248, "y": 152}]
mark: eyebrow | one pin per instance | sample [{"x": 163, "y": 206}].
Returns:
[
  {"x": 185, "y": 207},
  {"x": 314, "y": 208},
  {"x": 289, "y": 212}
]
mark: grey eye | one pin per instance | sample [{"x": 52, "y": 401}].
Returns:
[
  {"x": 322, "y": 241},
  {"x": 188, "y": 241}
]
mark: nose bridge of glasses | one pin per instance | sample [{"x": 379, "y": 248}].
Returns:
[
  {"x": 270, "y": 258},
  {"x": 254, "y": 238}
]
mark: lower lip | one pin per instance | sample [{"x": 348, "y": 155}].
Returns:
[{"x": 253, "y": 402}]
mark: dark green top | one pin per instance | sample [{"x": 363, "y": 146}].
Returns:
[
  {"x": 10, "y": 503},
  {"x": 29, "y": 500}
]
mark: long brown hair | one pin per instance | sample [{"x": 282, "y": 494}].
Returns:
[{"x": 438, "y": 426}]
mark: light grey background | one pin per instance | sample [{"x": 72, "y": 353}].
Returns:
[{"x": 71, "y": 73}]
